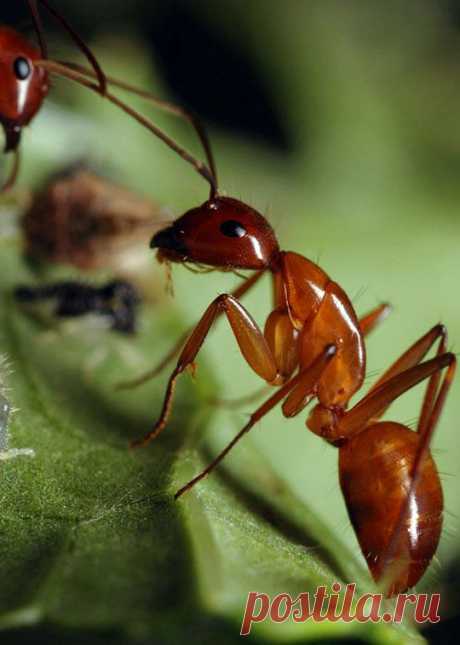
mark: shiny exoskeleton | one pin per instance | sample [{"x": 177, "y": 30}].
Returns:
[
  {"x": 24, "y": 85},
  {"x": 312, "y": 350}
]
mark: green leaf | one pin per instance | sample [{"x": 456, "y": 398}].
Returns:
[{"x": 91, "y": 541}]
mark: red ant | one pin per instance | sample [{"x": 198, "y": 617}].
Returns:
[
  {"x": 25, "y": 71},
  {"x": 312, "y": 348}
]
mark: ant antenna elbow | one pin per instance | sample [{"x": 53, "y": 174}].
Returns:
[
  {"x": 81, "y": 75},
  {"x": 33, "y": 6}
]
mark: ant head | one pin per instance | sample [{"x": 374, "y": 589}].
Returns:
[
  {"x": 223, "y": 232},
  {"x": 24, "y": 85}
]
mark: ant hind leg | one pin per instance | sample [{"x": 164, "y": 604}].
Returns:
[
  {"x": 399, "y": 554},
  {"x": 433, "y": 405},
  {"x": 413, "y": 356}
]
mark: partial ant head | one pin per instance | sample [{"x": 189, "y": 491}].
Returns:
[
  {"x": 26, "y": 73},
  {"x": 24, "y": 78},
  {"x": 223, "y": 232},
  {"x": 24, "y": 81},
  {"x": 23, "y": 85}
]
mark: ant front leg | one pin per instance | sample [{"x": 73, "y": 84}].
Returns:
[
  {"x": 238, "y": 293},
  {"x": 250, "y": 339}
]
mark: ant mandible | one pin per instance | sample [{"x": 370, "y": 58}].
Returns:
[
  {"x": 312, "y": 348},
  {"x": 25, "y": 72}
]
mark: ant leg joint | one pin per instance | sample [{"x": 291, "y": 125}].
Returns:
[
  {"x": 441, "y": 329},
  {"x": 451, "y": 359}
]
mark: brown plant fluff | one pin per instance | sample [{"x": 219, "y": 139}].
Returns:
[{"x": 83, "y": 220}]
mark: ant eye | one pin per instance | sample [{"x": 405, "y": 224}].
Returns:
[
  {"x": 22, "y": 68},
  {"x": 232, "y": 228}
]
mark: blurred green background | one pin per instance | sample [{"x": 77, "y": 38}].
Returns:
[{"x": 337, "y": 120}]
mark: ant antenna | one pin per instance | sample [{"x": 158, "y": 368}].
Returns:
[
  {"x": 80, "y": 75},
  {"x": 166, "y": 106},
  {"x": 33, "y": 6}
]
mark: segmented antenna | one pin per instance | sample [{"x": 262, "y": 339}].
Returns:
[
  {"x": 81, "y": 75},
  {"x": 166, "y": 106},
  {"x": 33, "y": 6}
]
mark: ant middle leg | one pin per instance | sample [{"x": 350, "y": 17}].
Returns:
[
  {"x": 305, "y": 381},
  {"x": 240, "y": 401}
]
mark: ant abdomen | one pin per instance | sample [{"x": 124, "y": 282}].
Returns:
[{"x": 396, "y": 535}]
